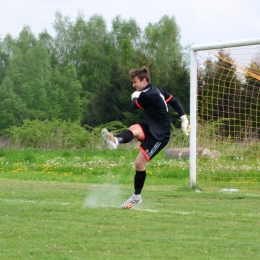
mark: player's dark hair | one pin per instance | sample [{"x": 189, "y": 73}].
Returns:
[{"x": 140, "y": 73}]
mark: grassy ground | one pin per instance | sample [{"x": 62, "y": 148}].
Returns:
[{"x": 73, "y": 211}]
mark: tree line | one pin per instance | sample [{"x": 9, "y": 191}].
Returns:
[{"x": 81, "y": 73}]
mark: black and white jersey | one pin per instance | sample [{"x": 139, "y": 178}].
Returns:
[{"x": 154, "y": 102}]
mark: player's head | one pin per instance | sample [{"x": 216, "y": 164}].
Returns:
[
  {"x": 140, "y": 78},
  {"x": 142, "y": 73}
]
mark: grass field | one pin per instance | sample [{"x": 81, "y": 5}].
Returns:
[{"x": 66, "y": 205}]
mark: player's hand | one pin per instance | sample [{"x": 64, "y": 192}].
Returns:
[
  {"x": 185, "y": 127},
  {"x": 135, "y": 95}
]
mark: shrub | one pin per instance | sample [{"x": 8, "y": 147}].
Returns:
[{"x": 49, "y": 135}]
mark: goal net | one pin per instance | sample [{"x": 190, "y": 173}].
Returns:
[{"x": 225, "y": 116}]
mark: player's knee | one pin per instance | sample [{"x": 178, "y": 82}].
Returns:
[
  {"x": 140, "y": 165},
  {"x": 133, "y": 128},
  {"x": 137, "y": 131}
]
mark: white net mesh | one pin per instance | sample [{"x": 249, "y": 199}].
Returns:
[{"x": 228, "y": 130}]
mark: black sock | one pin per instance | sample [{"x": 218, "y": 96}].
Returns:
[
  {"x": 125, "y": 137},
  {"x": 139, "y": 181}
]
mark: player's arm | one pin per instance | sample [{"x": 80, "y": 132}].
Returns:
[
  {"x": 173, "y": 102},
  {"x": 176, "y": 105},
  {"x": 134, "y": 98}
]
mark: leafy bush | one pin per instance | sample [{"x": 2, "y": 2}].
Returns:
[
  {"x": 49, "y": 135},
  {"x": 59, "y": 134}
]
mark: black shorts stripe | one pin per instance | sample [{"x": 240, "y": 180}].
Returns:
[{"x": 153, "y": 150}]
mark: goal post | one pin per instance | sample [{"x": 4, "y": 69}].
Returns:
[{"x": 224, "y": 97}]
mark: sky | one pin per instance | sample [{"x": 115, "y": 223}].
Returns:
[{"x": 200, "y": 21}]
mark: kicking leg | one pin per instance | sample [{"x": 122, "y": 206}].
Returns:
[{"x": 134, "y": 131}]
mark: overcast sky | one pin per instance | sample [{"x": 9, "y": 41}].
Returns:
[{"x": 200, "y": 21}]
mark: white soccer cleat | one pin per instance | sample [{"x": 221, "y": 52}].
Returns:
[
  {"x": 132, "y": 201},
  {"x": 109, "y": 138}
]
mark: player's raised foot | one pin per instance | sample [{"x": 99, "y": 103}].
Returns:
[
  {"x": 132, "y": 201},
  {"x": 109, "y": 138}
]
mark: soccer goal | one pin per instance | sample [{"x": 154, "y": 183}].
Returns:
[{"x": 225, "y": 115}]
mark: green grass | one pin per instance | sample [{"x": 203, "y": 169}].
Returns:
[
  {"x": 94, "y": 166},
  {"x": 52, "y": 220},
  {"x": 66, "y": 205}
]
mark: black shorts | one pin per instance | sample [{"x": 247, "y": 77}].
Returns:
[{"x": 149, "y": 145}]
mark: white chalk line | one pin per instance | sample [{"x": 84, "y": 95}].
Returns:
[
  {"x": 118, "y": 207},
  {"x": 252, "y": 194},
  {"x": 66, "y": 204},
  {"x": 34, "y": 201},
  {"x": 148, "y": 210}
]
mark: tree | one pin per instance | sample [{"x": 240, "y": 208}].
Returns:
[
  {"x": 30, "y": 71},
  {"x": 4, "y": 57},
  {"x": 126, "y": 39},
  {"x": 162, "y": 42},
  {"x": 12, "y": 108},
  {"x": 68, "y": 90},
  {"x": 49, "y": 42},
  {"x": 69, "y": 39},
  {"x": 248, "y": 100},
  {"x": 94, "y": 66}
]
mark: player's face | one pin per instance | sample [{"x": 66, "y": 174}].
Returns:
[{"x": 139, "y": 84}]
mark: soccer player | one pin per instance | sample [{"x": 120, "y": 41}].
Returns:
[{"x": 154, "y": 134}]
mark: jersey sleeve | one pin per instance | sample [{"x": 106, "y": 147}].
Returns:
[
  {"x": 173, "y": 102},
  {"x": 140, "y": 102},
  {"x": 135, "y": 103}
]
